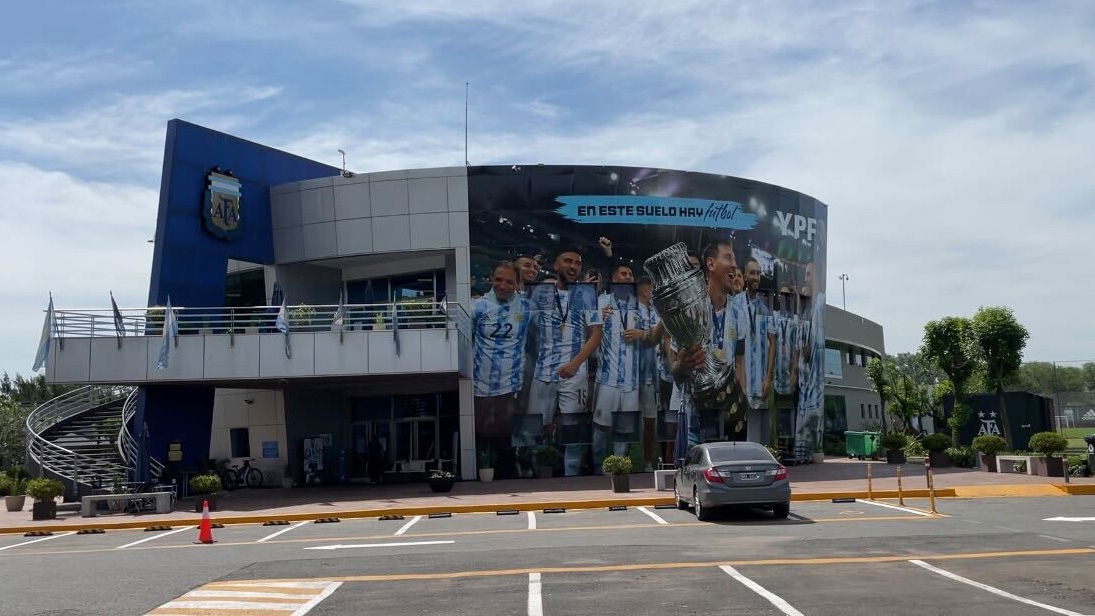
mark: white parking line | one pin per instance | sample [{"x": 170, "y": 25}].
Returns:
[
  {"x": 1062, "y": 540},
  {"x": 535, "y": 599},
  {"x": 992, "y": 589},
  {"x": 281, "y": 532},
  {"x": 772, "y": 598},
  {"x": 8, "y": 547},
  {"x": 532, "y": 520},
  {"x": 156, "y": 536},
  {"x": 897, "y": 507},
  {"x": 657, "y": 518},
  {"x": 408, "y": 525}
]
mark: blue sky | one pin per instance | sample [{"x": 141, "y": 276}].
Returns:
[{"x": 952, "y": 141}]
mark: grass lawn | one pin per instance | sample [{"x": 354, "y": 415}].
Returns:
[{"x": 1075, "y": 438}]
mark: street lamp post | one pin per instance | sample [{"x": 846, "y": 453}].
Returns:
[{"x": 843, "y": 293}]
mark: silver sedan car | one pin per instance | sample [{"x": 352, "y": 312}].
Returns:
[{"x": 731, "y": 473}]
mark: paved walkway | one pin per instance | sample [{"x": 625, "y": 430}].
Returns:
[{"x": 836, "y": 477}]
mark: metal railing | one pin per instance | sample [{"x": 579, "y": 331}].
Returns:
[
  {"x": 128, "y": 447},
  {"x": 254, "y": 319},
  {"x": 61, "y": 461}
]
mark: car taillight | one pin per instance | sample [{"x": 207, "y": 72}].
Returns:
[
  {"x": 712, "y": 476},
  {"x": 781, "y": 472}
]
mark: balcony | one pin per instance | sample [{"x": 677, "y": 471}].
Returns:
[{"x": 237, "y": 345}]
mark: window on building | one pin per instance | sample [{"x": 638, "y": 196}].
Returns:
[
  {"x": 241, "y": 442},
  {"x": 862, "y": 411},
  {"x": 833, "y": 363}
]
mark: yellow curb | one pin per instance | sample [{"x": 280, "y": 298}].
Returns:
[
  {"x": 1037, "y": 489},
  {"x": 1087, "y": 489}
]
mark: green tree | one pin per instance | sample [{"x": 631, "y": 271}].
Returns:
[
  {"x": 951, "y": 345},
  {"x": 13, "y": 432},
  {"x": 876, "y": 371},
  {"x": 1089, "y": 375},
  {"x": 1000, "y": 341},
  {"x": 30, "y": 392},
  {"x": 1042, "y": 377}
]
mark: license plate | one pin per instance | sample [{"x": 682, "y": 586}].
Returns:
[{"x": 748, "y": 476}]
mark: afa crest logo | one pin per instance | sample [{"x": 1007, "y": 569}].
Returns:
[{"x": 221, "y": 209}]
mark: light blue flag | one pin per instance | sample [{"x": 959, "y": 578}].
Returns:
[
  {"x": 282, "y": 325},
  {"x": 43, "y": 343},
  {"x": 170, "y": 331},
  {"x": 395, "y": 327},
  {"x": 340, "y": 315}
]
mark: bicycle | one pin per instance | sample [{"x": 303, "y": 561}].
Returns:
[{"x": 236, "y": 476}]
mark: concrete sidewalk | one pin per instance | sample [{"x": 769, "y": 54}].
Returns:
[{"x": 836, "y": 478}]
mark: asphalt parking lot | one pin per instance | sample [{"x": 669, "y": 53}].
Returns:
[{"x": 982, "y": 556}]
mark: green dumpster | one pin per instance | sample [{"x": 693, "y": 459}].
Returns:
[{"x": 861, "y": 444}]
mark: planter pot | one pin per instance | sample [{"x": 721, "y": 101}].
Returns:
[
  {"x": 895, "y": 456},
  {"x": 817, "y": 458},
  {"x": 986, "y": 463},
  {"x": 44, "y": 510},
  {"x": 545, "y": 472},
  {"x": 441, "y": 484},
  {"x": 15, "y": 503},
  {"x": 286, "y": 482},
  {"x": 939, "y": 459},
  {"x": 1048, "y": 467},
  {"x": 199, "y": 499},
  {"x": 486, "y": 474},
  {"x": 621, "y": 483}
]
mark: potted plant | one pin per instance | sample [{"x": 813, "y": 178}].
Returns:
[
  {"x": 936, "y": 444},
  {"x": 287, "y": 477},
  {"x": 44, "y": 492},
  {"x": 818, "y": 454},
  {"x": 988, "y": 445},
  {"x": 302, "y": 315},
  {"x": 1048, "y": 444},
  {"x": 153, "y": 320},
  {"x": 894, "y": 444},
  {"x": 547, "y": 458},
  {"x": 206, "y": 488},
  {"x": 486, "y": 465},
  {"x": 15, "y": 495},
  {"x": 618, "y": 467},
  {"x": 441, "y": 480}
]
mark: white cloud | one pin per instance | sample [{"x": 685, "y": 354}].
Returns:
[
  {"x": 78, "y": 239},
  {"x": 950, "y": 140}
]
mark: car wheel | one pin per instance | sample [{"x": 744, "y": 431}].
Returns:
[
  {"x": 681, "y": 505},
  {"x": 702, "y": 513},
  {"x": 781, "y": 510}
]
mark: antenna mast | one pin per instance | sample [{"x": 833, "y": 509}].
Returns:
[{"x": 467, "y": 85}]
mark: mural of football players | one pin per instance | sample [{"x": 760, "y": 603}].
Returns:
[
  {"x": 649, "y": 372},
  {"x": 784, "y": 322},
  {"x": 617, "y": 381},
  {"x": 756, "y": 353},
  {"x": 500, "y": 322},
  {"x": 811, "y": 357},
  {"x": 719, "y": 262},
  {"x": 568, "y": 330}
]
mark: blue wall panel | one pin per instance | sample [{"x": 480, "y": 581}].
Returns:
[{"x": 189, "y": 264}]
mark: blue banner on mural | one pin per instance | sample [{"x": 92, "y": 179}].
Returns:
[{"x": 647, "y": 210}]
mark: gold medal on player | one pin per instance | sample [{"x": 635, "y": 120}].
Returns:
[{"x": 720, "y": 355}]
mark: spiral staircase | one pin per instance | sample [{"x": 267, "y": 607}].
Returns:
[{"x": 82, "y": 438}]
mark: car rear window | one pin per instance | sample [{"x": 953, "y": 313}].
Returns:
[{"x": 738, "y": 453}]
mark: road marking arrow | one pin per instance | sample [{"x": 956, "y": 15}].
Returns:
[
  {"x": 1064, "y": 519},
  {"x": 376, "y": 545}
]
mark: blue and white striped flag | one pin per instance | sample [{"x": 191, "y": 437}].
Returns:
[
  {"x": 170, "y": 331},
  {"x": 43, "y": 343},
  {"x": 282, "y": 325},
  {"x": 395, "y": 327},
  {"x": 340, "y": 315},
  {"x": 119, "y": 324}
]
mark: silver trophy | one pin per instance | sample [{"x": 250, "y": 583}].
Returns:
[{"x": 680, "y": 296}]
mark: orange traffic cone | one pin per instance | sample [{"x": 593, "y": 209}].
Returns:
[{"x": 205, "y": 532}]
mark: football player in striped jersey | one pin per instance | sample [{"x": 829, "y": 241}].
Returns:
[
  {"x": 617, "y": 389},
  {"x": 756, "y": 354}
]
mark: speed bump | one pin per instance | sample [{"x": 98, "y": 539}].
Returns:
[{"x": 39, "y": 533}]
